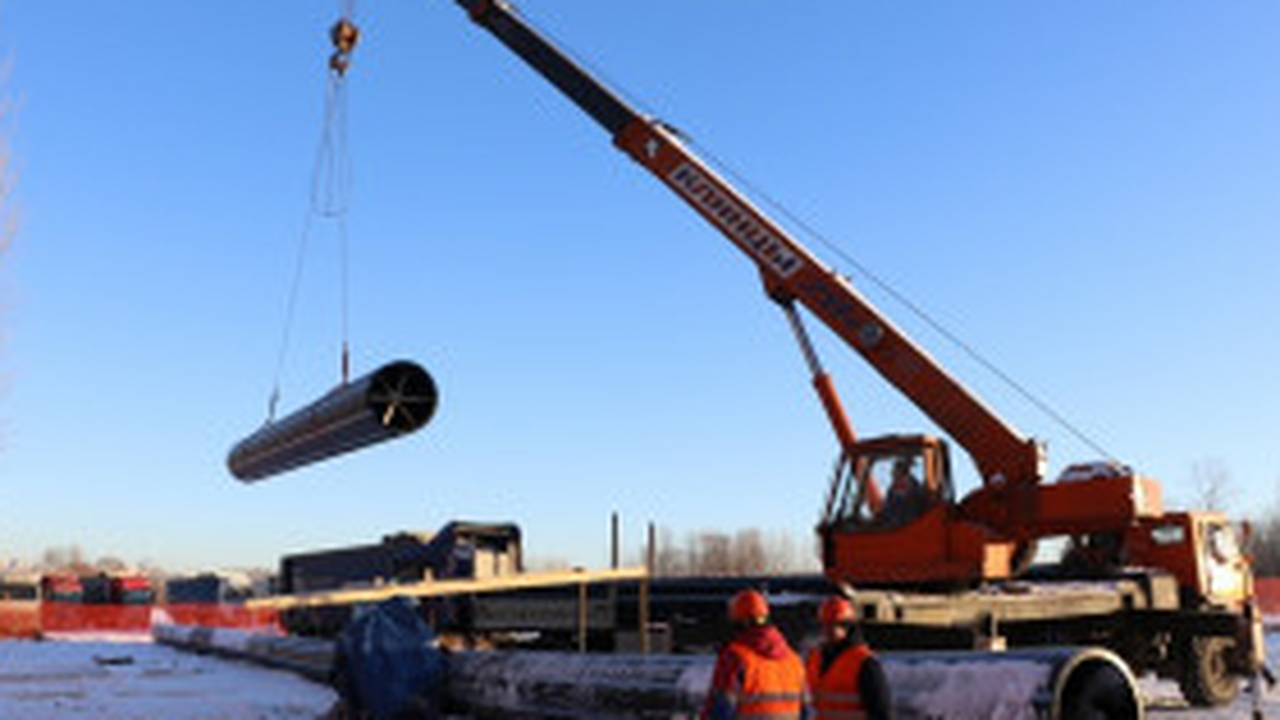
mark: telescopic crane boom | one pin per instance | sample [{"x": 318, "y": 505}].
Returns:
[{"x": 790, "y": 271}]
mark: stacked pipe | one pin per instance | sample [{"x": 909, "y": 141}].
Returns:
[
  {"x": 309, "y": 657},
  {"x": 535, "y": 684},
  {"x": 1069, "y": 683},
  {"x": 1056, "y": 683}
]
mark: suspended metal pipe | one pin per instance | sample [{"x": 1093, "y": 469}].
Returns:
[{"x": 391, "y": 402}]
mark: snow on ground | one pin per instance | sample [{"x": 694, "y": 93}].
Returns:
[
  {"x": 131, "y": 678},
  {"x": 1164, "y": 702}
]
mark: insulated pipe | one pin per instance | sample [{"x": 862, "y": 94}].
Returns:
[
  {"x": 393, "y": 401},
  {"x": 534, "y": 684},
  {"x": 1054, "y": 683},
  {"x": 312, "y": 658},
  {"x": 1064, "y": 683}
]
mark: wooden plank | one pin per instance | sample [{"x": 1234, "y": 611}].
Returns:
[
  {"x": 444, "y": 588},
  {"x": 1043, "y": 601}
]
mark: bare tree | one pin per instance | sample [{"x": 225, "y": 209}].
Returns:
[
  {"x": 747, "y": 554},
  {"x": 784, "y": 555},
  {"x": 548, "y": 563},
  {"x": 110, "y": 564},
  {"x": 1264, "y": 543},
  {"x": 749, "y": 551},
  {"x": 1264, "y": 546},
  {"x": 67, "y": 558},
  {"x": 1212, "y": 485},
  {"x": 713, "y": 553},
  {"x": 668, "y": 558}
]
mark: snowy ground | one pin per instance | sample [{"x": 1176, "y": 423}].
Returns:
[
  {"x": 1164, "y": 702},
  {"x": 130, "y": 678},
  {"x": 125, "y": 678}
]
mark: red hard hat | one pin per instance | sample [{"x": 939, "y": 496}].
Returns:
[
  {"x": 835, "y": 609},
  {"x": 748, "y": 606}
]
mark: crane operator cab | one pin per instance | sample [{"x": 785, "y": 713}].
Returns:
[
  {"x": 888, "y": 482},
  {"x": 907, "y": 495},
  {"x": 891, "y": 519}
]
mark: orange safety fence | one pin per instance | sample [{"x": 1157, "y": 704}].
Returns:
[
  {"x": 227, "y": 616},
  {"x": 31, "y": 619},
  {"x": 61, "y": 617},
  {"x": 19, "y": 618}
]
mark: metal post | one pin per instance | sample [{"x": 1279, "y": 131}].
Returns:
[
  {"x": 651, "y": 551},
  {"x": 613, "y": 546},
  {"x": 650, "y": 554},
  {"x": 582, "y": 617}
]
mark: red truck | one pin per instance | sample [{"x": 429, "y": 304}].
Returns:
[
  {"x": 104, "y": 589},
  {"x": 61, "y": 587}
]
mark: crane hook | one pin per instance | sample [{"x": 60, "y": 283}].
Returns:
[{"x": 345, "y": 36}]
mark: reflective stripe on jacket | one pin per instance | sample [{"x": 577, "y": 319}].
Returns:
[
  {"x": 767, "y": 688},
  {"x": 835, "y": 691}
]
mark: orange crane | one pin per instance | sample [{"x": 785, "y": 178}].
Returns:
[
  {"x": 1114, "y": 518},
  {"x": 974, "y": 539}
]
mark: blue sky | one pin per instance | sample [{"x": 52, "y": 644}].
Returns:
[{"x": 1088, "y": 192}]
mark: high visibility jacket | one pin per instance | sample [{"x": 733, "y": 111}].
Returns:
[
  {"x": 769, "y": 688},
  {"x": 835, "y": 691}
]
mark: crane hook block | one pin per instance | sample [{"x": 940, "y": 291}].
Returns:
[
  {"x": 391, "y": 402},
  {"x": 345, "y": 36}
]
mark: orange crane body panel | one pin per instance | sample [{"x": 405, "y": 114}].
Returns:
[{"x": 935, "y": 548}]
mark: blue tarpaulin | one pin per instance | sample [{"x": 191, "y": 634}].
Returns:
[{"x": 387, "y": 664}]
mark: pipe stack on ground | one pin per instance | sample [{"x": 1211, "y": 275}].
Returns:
[
  {"x": 533, "y": 684},
  {"x": 1069, "y": 683},
  {"x": 309, "y": 657},
  {"x": 1055, "y": 683}
]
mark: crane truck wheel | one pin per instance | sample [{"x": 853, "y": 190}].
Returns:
[{"x": 1206, "y": 679}]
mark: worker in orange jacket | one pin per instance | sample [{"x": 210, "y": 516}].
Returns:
[
  {"x": 757, "y": 674},
  {"x": 846, "y": 681}
]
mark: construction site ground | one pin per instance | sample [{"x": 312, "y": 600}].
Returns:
[{"x": 127, "y": 677}]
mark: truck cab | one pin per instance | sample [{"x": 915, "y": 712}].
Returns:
[{"x": 1202, "y": 550}]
